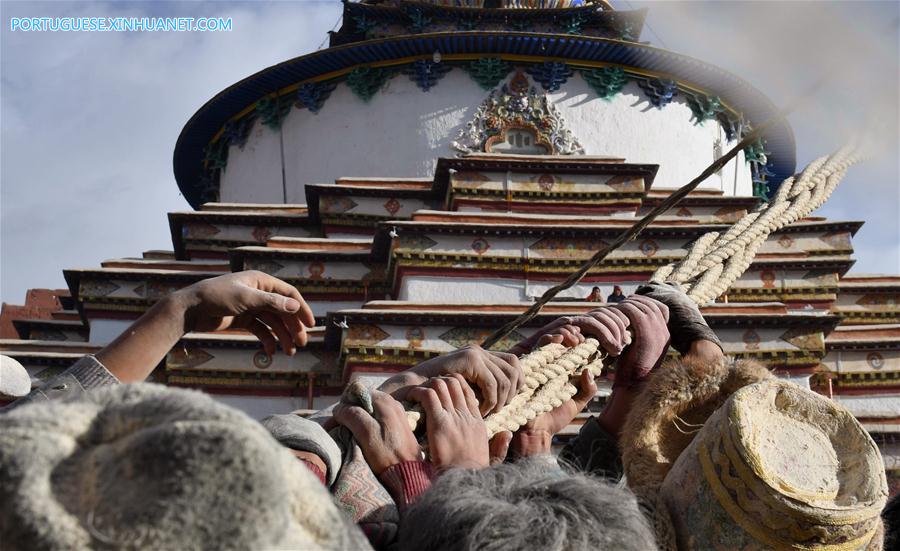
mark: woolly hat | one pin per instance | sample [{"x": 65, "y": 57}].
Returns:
[
  {"x": 301, "y": 434},
  {"x": 149, "y": 467}
]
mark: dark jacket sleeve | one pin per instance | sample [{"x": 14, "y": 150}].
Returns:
[
  {"x": 593, "y": 451},
  {"x": 86, "y": 374}
]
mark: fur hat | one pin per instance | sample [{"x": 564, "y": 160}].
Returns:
[
  {"x": 144, "y": 466},
  {"x": 678, "y": 398}
]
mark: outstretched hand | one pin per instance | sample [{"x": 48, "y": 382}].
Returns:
[{"x": 262, "y": 304}]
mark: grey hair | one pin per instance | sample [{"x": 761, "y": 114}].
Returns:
[{"x": 531, "y": 504}]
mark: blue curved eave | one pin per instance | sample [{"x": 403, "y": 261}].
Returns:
[{"x": 209, "y": 119}]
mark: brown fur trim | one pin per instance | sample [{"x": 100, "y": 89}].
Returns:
[{"x": 676, "y": 401}]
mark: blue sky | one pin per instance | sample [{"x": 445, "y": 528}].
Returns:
[{"x": 88, "y": 121}]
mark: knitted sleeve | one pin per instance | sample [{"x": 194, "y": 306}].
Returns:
[
  {"x": 86, "y": 374},
  {"x": 407, "y": 481}
]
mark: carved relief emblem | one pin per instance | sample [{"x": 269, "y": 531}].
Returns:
[
  {"x": 517, "y": 119},
  {"x": 415, "y": 336},
  {"x": 649, "y": 248},
  {"x": 480, "y": 245},
  {"x": 751, "y": 340},
  {"x": 768, "y": 279},
  {"x": 786, "y": 242},
  {"x": 316, "y": 269},
  {"x": 392, "y": 206},
  {"x": 875, "y": 360},
  {"x": 261, "y": 360},
  {"x": 261, "y": 234},
  {"x": 546, "y": 181}
]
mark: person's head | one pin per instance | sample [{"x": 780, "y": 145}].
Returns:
[
  {"x": 595, "y": 291},
  {"x": 522, "y": 506},
  {"x": 617, "y": 290}
]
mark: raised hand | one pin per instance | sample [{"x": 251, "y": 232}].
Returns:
[{"x": 262, "y": 304}]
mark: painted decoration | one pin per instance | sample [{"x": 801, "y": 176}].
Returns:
[
  {"x": 312, "y": 95},
  {"x": 804, "y": 339},
  {"x": 463, "y": 336},
  {"x": 187, "y": 358},
  {"x": 546, "y": 181},
  {"x": 426, "y": 73},
  {"x": 261, "y": 360},
  {"x": 660, "y": 92},
  {"x": 365, "y": 334},
  {"x": 751, "y": 340},
  {"x": 480, "y": 245},
  {"x": 704, "y": 107},
  {"x": 838, "y": 240},
  {"x": 237, "y": 132},
  {"x": 875, "y": 360},
  {"x": 154, "y": 290},
  {"x": 551, "y": 74},
  {"x": 606, "y": 82},
  {"x": 95, "y": 288},
  {"x": 331, "y": 204},
  {"x": 273, "y": 111},
  {"x": 392, "y": 205},
  {"x": 768, "y": 279},
  {"x": 649, "y": 247},
  {"x": 683, "y": 211},
  {"x": 415, "y": 336},
  {"x": 366, "y": 81},
  {"x": 563, "y": 247},
  {"x": 730, "y": 214},
  {"x": 517, "y": 120},
  {"x": 316, "y": 269},
  {"x": 879, "y": 300},
  {"x": 415, "y": 242},
  {"x": 786, "y": 242},
  {"x": 488, "y": 72},
  {"x": 261, "y": 234},
  {"x": 199, "y": 230}
]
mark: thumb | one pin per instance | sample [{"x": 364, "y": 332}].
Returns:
[
  {"x": 587, "y": 388},
  {"x": 273, "y": 302}
]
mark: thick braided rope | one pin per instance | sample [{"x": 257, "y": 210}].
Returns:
[
  {"x": 547, "y": 372},
  {"x": 715, "y": 261}
]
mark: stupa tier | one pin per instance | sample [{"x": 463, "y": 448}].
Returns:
[{"x": 441, "y": 165}]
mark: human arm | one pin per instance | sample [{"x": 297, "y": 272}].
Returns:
[{"x": 251, "y": 300}]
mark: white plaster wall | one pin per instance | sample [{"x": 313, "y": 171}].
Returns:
[
  {"x": 253, "y": 173},
  {"x": 401, "y": 131},
  {"x": 874, "y": 405},
  {"x": 459, "y": 290},
  {"x": 104, "y": 331}
]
